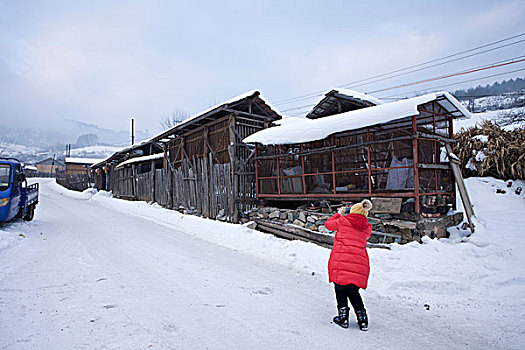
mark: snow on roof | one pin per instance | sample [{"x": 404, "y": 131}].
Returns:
[
  {"x": 89, "y": 161},
  {"x": 141, "y": 159},
  {"x": 360, "y": 95},
  {"x": 30, "y": 167},
  {"x": 230, "y": 101},
  {"x": 298, "y": 130}
]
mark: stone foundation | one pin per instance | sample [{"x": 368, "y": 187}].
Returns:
[{"x": 387, "y": 228}]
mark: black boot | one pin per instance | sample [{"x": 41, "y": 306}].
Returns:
[
  {"x": 362, "y": 319},
  {"x": 342, "y": 319}
]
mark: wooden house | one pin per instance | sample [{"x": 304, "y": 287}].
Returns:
[
  {"x": 200, "y": 165},
  {"x": 80, "y": 166},
  {"x": 391, "y": 150},
  {"x": 120, "y": 180},
  {"x": 49, "y": 166},
  {"x": 30, "y": 170},
  {"x": 77, "y": 174},
  {"x": 211, "y": 171}
]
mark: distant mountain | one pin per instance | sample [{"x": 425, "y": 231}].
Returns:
[
  {"x": 31, "y": 145},
  {"x": 105, "y": 136},
  {"x": 69, "y": 133}
]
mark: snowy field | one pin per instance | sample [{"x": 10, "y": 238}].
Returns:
[
  {"x": 94, "y": 272},
  {"x": 492, "y": 116}
]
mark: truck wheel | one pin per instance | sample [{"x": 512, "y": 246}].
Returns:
[{"x": 30, "y": 214}]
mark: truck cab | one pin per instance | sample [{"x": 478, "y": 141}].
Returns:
[{"x": 17, "y": 198}]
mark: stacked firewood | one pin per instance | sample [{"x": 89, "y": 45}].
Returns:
[{"x": 489, "y": 150}]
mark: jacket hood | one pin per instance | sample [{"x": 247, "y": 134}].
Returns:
[{"x": 358, "y": 221}]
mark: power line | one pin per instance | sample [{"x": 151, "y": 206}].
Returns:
[
  {"x": 319, "y": 93},
  {"x": 435, "y": 65},
  {"x": 300, "y": 107},
  {"x": 449, "y": 75},
  {"x": 468, "y": 71},
  {"x": 451, "y": 84},
  {"x": 395, "y": 97}
]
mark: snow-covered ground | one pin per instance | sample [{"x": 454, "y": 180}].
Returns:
[
  {"x": 94, "y": 272},
  {"x": 15, "y": 150},
  {"x": 496, "y": 102}
]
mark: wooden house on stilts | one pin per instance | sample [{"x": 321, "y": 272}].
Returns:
[{"x": 352, "y": 146}]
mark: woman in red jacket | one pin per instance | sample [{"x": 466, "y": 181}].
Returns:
[{"x": 349, "y": 265}]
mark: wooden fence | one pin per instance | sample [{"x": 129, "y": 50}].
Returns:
[{"x": 197, "y": 185}]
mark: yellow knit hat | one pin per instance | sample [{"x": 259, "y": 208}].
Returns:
[{"x": 361, "y": 208}]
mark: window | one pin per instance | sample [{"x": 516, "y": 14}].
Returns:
[{"x": 5, "y": 174}]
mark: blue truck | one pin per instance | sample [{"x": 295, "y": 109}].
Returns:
[{"x": 17, "y": 198}]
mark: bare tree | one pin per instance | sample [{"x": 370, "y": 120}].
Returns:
[
  {"x": 214, "y": 103},
  {"x": 5, "y": 142},
  {"x": 176, "y": 117}
]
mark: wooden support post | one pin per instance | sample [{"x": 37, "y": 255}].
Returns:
[
  {"x": 183, "y": 150},
  {"x": 278, "y": 171},
  {"x": 206, "y": 142},
  {"x": 234, "y": 204},
  {"x": 333, "y": 166},
  {"x": 451, "y": 131},
  {"x": 166, "y": 159},
  {"x": 435, "y": 146},
  {"x": 169, "y": 185},
  {"x": 416, "y": 161},
  {"x": 153, "y": 176},
  {"x": 369, "y": 160},
  {"x": 133, "y": 181},
  {"x": 302, "y": 176},
  {"x": 256, "y": 174}
]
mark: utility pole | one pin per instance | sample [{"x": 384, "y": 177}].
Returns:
[{"x": 132, "y": 131}]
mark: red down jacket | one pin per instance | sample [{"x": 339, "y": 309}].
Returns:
[{"x": 349, "y": 262}]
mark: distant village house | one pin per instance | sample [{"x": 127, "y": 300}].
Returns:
[{"x": 50, "y": 166}]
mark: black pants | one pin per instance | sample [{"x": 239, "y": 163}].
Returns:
[{"x": 348, "y": 291}]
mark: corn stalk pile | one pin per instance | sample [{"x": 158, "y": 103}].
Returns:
[{"x": 488, "y": 150}]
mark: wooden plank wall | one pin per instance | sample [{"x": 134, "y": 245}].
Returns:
[
  {"x": 244, "y": 166},
  {"x": 161, "y": 187},
  {"x": 204, "y": 188},
  {"x": 122, "y": 183},
  {"x": 198, "y": 185},
  {"x": 143, "y": 183}
]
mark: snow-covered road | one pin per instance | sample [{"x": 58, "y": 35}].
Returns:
[{"x": 89, "y": 277}]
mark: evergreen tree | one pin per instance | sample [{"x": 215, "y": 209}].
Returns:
[{"x": 494, "y": 89}]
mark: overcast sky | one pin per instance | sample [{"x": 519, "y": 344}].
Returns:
[{"x": 103, "y": 62}]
